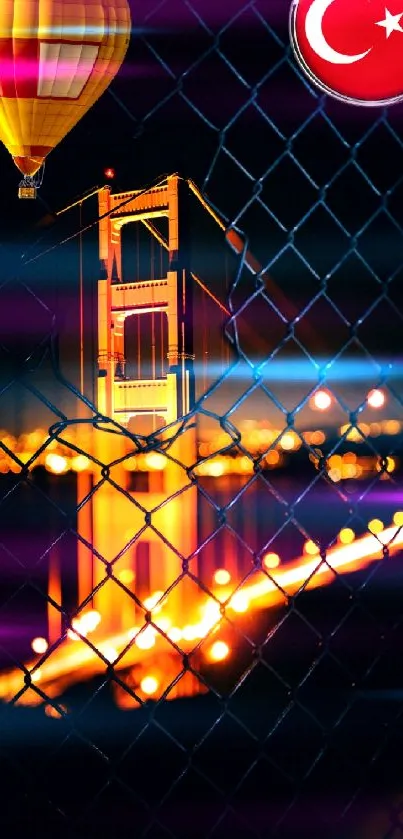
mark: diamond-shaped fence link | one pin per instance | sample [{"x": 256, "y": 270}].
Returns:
[{"x": 278, "y": 637}]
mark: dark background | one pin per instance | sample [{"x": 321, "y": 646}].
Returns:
[{"x": 212, "y": 91}]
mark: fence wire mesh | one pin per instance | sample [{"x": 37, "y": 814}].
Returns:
[{"x": 292, "y": 726}]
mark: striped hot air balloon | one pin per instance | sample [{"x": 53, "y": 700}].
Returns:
[{"x": 56, "y": 59}]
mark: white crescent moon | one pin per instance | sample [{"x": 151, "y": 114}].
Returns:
[{"x": 317, "y": 40}]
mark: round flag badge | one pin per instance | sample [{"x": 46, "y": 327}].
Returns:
[{"x": 351, "y": 49}]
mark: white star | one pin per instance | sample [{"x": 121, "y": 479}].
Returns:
[{"x": 391, "y": 23}]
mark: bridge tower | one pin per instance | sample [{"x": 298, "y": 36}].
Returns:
[{"x": 159, "y": 529}]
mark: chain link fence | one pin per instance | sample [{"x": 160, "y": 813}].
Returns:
[{"x": 298, "y": 731}]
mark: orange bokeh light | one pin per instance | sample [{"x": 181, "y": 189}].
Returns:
[
  {"x": 271, "y": 560},
  {"x": 222, "y": 577},
  {"x": 376, "y": 398},
  {"x": 218, "y": 651},
  {"x": 39, "y": 645},
  {"x": 149, "y": 685},
  {"x": 321, "y": 400}
]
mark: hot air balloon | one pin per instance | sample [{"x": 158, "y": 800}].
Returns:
[{"x": 57, "y": 57}]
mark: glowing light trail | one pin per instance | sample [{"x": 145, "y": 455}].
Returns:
[
  {"x": 72, "y": 661},
  {"x": 345, "y": 559}
]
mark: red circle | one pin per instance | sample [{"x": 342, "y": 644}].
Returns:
[{"x": 350, "y": 27}]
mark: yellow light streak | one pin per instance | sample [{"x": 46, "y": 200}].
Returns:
[
  {"x": 347, "y": 559},
  {"x": 69, "y": 663}
]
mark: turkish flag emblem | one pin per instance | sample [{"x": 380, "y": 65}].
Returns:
[{"x": 351, "y": 49}]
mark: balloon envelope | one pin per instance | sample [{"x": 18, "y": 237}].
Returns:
[{"x": 57, "y": 57}]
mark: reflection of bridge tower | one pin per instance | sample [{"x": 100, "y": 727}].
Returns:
[{"x": 110, "y": 519}]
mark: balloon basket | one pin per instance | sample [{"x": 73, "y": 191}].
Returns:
[{"x": 27, "y": 190}]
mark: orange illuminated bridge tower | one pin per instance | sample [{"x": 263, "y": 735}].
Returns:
[{"x": 141, "y": 522}]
